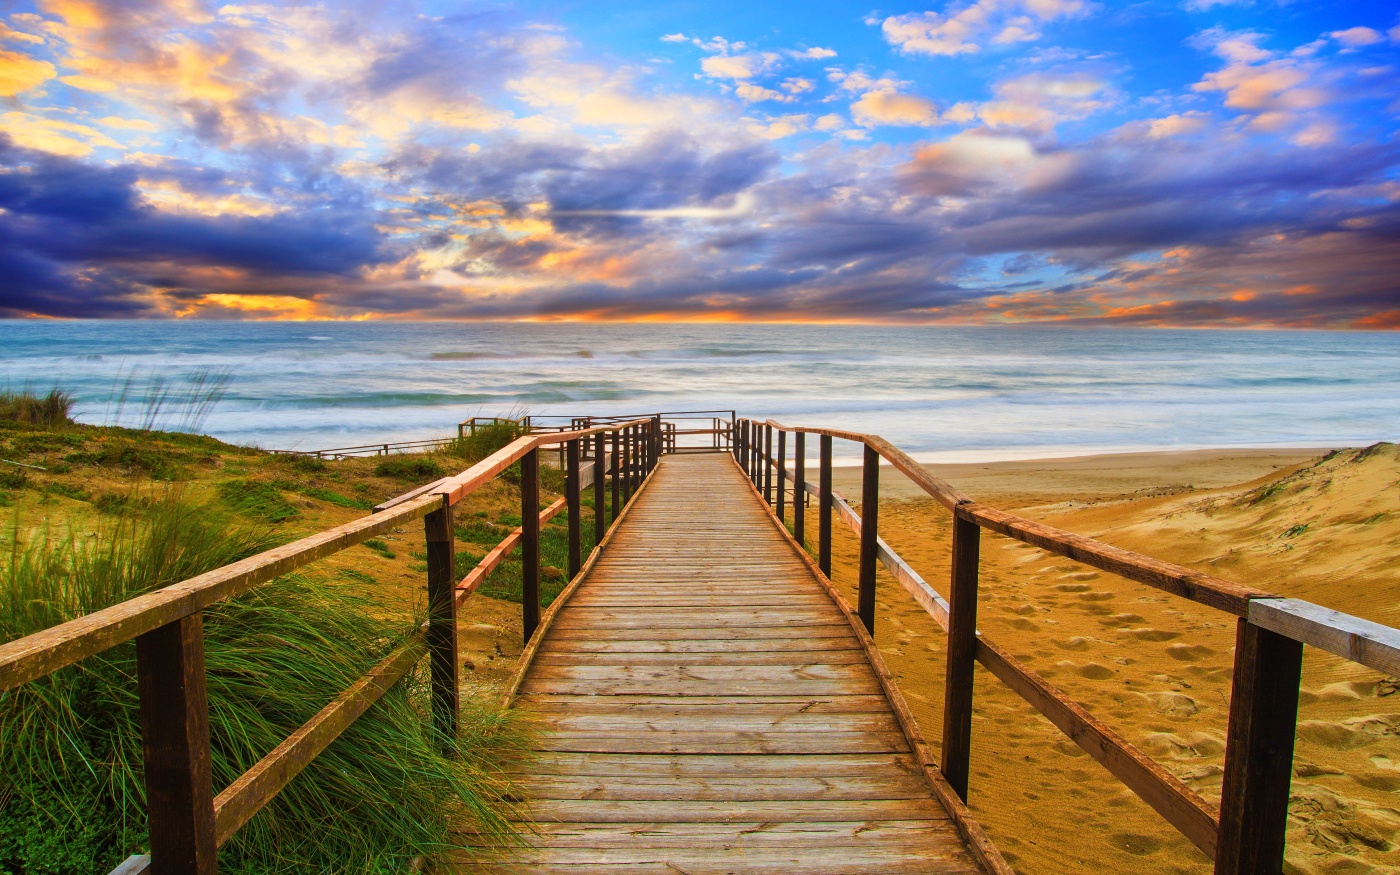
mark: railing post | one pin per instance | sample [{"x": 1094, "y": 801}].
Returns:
[
  {"x": 1258, "y": 752},
  {"x": 962, "y": 655},
  {"x": 600, "y": 495},
  {"x": 626, "y": 471},
  {"x": 616, "y": 472},
  {"x": 824, "y": 508},
  {"x": 443, "y": 664},
  {"x": 574, "y": 505},
  {"x": 755, "y": 447},
  {"x": 799, "y": 487},
  {"x": 869, "y": 531},
  {"x": 175, "y": 740},
  {"x": 655, "y": 442},
  {"x": 782, "y": 475},
  {"x": 768, "y": 463},
  {"x": 530, "y": 541}
]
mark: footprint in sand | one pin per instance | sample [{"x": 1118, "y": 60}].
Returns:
[
  {"x": 1173, "y": 704},
  {"x": 1075, "y": 643},
  {"x": 1099, "y": 596},
  {"x": 1073, "y": 587},
  {"x": 1189, "y": 652},
  {"x": 1123, "y": 619},
  {"x": 1091, "y": 670},
  {"x": 1331, "y": 735},
  {"x": 1149, "y": 634}
]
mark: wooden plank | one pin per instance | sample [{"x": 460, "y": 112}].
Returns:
[
  {"x": 696, "y": 633},
  {"x": 1258, "y": 752},
  {"x": 810, "y": 743},
  {"x": 34, "y": 656},
  {"x": 597, "y": 811},
  {"x": 175, "y": 743},
  {"x": 1168, "y": 795},
  {"x": 583, "y": 704},
  {"x": 720, "y": 765},
  {"x": 832, "y": 644},
  {"x": 745, "y": 788},
  {"x": 827, "y": 835},
  {"x": 559, "y": 656},
  {"x": 1370, "y": 644}
]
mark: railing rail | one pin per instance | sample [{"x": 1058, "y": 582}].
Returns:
[
  {"x": 1245, "y": 833},
  {"x": 187, "y": 821}
]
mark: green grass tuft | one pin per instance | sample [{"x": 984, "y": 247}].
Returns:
[
  {"x": 407, "y": 467},
  {"x": 257, "y": 499},
  {"x": 48, "y": 411}
]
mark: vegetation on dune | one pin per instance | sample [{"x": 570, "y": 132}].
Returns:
[
  {"x": 71, "y": 784},
  {"x": 49, "y": 411}
]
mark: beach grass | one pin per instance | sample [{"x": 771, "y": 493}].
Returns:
[
  {"x": 50, "y": 410},
  {"x": 71, "y": 785}
]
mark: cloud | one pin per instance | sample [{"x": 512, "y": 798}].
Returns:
[
  {"x": 20, "y": 73},
  {"x": 815, "y": 53},
  {"x": 882, "y": 107},
  {"x": 675, "y": 38},
  {"x": 753, "y": 93},
  {"x": 966, "y": 29},
  {"x": 1356, "y": 37},
  {"x": 745, "y": 66},
  {"x": 1043, "y": 100}
]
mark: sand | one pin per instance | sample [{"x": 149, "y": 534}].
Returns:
[{"x": 1157, "y": 668}]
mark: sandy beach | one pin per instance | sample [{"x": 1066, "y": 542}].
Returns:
[{"x": 1156, "y": 668}]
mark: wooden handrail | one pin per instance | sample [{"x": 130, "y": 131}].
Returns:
[
  {"x": 1246, "y": 834},
  {"x": 26, "y": 659}
]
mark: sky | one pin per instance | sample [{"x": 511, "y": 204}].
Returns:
[{"x": 1179, "y": 163}]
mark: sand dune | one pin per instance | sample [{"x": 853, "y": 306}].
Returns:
[{"x": 1155, "y": 667}]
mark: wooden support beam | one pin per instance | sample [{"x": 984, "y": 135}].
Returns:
[
  {"x": 626, "y": 465},
  {"x": 175, "y": 741},
  {"x": 573, "y": 504},
  {"x": 869, "y": 530},
  {"x": 782, "y": 475},
  {"x": 530, "y": 541},
  {"x": 799, "y": 488},
  {"x": 443, "y": 663},
  {"x": 768, "y": 464},
  {"x": 600, "y": 495},
  {"x": 962, "y": 655},
  {"x": 616, "y": 473},
  {"x": 1258, "y": 751},
  {"x": 824, "y": 508}
]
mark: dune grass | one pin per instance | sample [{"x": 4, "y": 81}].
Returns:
[
  {"x": 50, "y": 411},
  {"x": 71, "y": 786}
]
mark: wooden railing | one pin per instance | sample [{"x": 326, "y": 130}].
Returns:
[
  {"x": 187, "y": 821},
  {"x": 1245, "y": 833}
]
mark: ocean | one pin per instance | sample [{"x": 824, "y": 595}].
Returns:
[{"x": 941, "y": 393}]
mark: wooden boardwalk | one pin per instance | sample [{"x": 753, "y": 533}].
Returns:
[{"x": 708, "y": 708}]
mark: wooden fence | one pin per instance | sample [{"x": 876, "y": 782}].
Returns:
[
  {"x": 187, "y": 820},
  {"x": 1245, "y": 833}
]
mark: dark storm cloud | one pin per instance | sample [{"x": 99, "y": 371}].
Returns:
[{"x": 75, "y": 240}]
